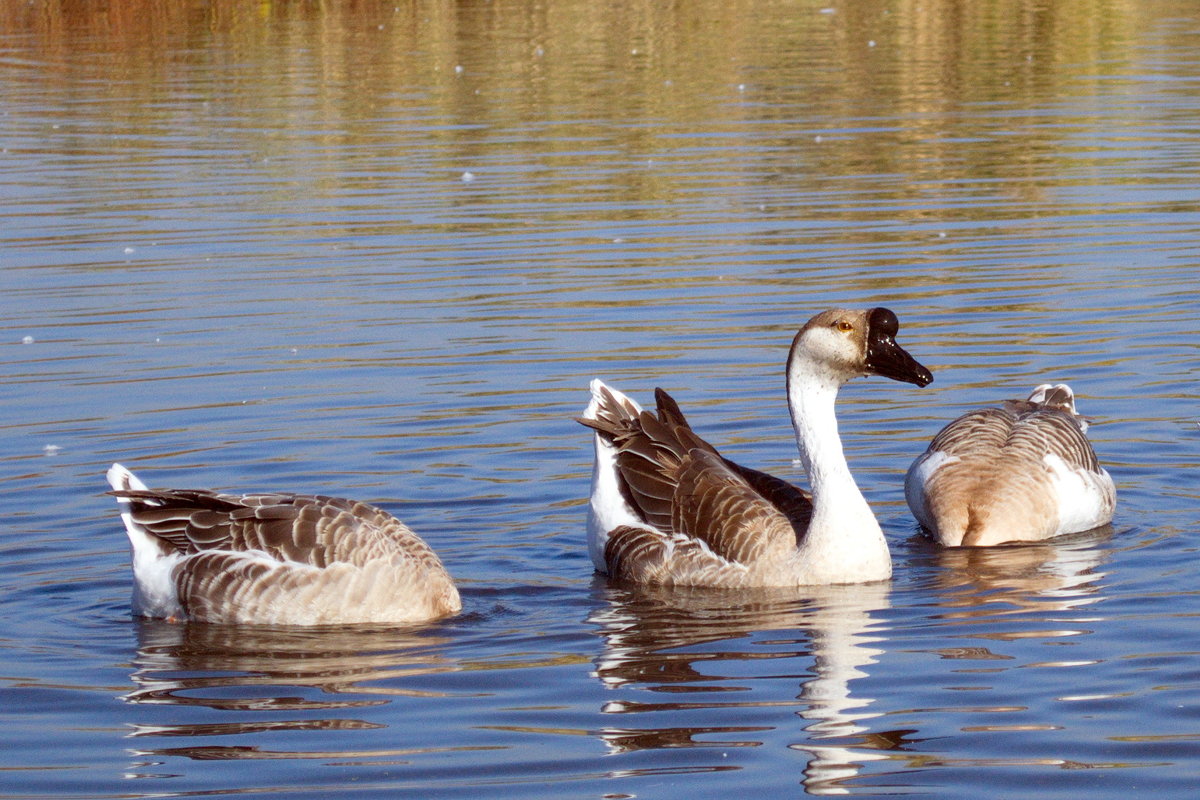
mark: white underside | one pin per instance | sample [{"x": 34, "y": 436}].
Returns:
[
  {"x": 607, "y": 509},
  {"x": 917, "y": 479},
  {"x": 828, "y": 560},
  {"x": 1085, "y": 498},
  {"x": 154, "y": 593}
]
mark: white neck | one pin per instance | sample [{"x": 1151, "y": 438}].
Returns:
[{"x": 843, "y": 536}]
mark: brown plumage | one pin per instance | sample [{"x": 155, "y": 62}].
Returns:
[
  {"x": 714, "y": 511},
  {"x": 666, "y": 508},
  {"x": 1020, "y": 471},
  {"x": 277, "y": 558}
]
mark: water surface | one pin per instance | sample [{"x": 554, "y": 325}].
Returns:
[{"x": 379, "y": 251}]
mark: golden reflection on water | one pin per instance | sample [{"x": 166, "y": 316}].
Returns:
[{"x": 343, "y": 82}]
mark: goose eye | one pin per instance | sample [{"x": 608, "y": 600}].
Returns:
[{"x": 844, "y": 326}]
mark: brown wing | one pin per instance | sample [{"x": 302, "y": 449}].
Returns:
[
  {"x": 715, "y": 504},
  {"x": 681, "y": 486},
  {"x": 984, "y": 429},
  {"x": 186, "y": 521},
  {"x": 1018, "y": 427},
  {"x": 794, "y": 503},
  {"x": 791, "y": 500},
  {"x": 305, "y": 529}
]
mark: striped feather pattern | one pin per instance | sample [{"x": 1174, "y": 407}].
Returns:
[
  {"x": 706, "y": 520},
  {"x": 1022, "y": 471},
  {"x": 666, "y": 508},
  {"x": 281, "y": 558}
]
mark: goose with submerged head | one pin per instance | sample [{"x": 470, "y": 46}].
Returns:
[
  {"x": 667, "y": 509},
  {"x": 1022, "y": 471},
  {"x": 278, "y": 559}
]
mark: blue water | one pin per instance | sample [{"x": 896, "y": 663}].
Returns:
[{"x": 297, "y": 248}]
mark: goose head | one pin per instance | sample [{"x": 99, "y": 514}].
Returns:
[
  {"x": 1057, "y": 396},
  {"x": 841, "y": 344}
]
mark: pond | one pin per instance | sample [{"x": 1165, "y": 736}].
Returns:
[{"x": 379, "y": 250}]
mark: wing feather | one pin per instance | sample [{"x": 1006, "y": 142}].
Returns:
[
  {"x": 990, "y": 475},
  {"x": 689, "y": 496},
  {"x": 717, "y": 506},
  {"x": 305, "y": 529}
]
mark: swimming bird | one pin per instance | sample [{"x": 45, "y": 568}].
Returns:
[
  {"x": 667, "y": 509},
  {"x": 1019, "y": 472},
  {"x": 282, "y": 559}
]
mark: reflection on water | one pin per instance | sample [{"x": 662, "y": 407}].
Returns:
[
  {"x": 992, "y": 613},
  {"x": 711, "y": 659},
  {"x": 990, "y": 581},
  {"x": 1014, "y": 593},
  {"x": 841, "y": 631},
  {"x": 698, "y": 644},
  {"x": 379, "y": 249},
  {"x": 272, "y": 669}
]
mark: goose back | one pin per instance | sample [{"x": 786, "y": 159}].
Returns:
[
  {"x": 697, "y": 518},
  {"x": 1020, "y": 471},
  {"x": 277, "y": 558}
]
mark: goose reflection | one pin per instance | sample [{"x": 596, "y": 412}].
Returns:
[
  {"x": 717, "y": 655},
  {"x": 1055, "y": 576},
  {"x": 976, "y": 589},
  {"x": 842, "y": 633},
  {"x": 321, "y": 672}
]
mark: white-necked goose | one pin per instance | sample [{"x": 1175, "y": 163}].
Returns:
[
  {"x": 1019, "y": 472},
  {"x": 280, "y": 559},
  {"x": 666, "y": 508}
]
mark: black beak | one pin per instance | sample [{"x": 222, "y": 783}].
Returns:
[{"x": 885, "y": 357}]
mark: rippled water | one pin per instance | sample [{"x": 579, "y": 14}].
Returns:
[{"x": 379, "y": 251}]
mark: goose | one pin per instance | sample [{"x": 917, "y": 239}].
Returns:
[
  {"x": 277, "y": 559},
  {"x": 1020, "y": 472},
  {"x": 667, "y": 509}
]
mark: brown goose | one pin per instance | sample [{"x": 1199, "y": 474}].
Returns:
[
  {"x": 666, "y": 508},
  {"x": 280, "y": 559},
  {"x": 1020, "y": 472}
]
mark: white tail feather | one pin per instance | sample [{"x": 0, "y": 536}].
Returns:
[
  {"x": 608, "y": 509},
  {"x": 154, "y": 593}
]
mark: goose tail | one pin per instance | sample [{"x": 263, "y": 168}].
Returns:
[
  {"x": 608, "y": 509},
  {"x": 154, "y": 591},
  {"x": 122, "y": 480},
  {"x": 1058, "y": 396}
]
